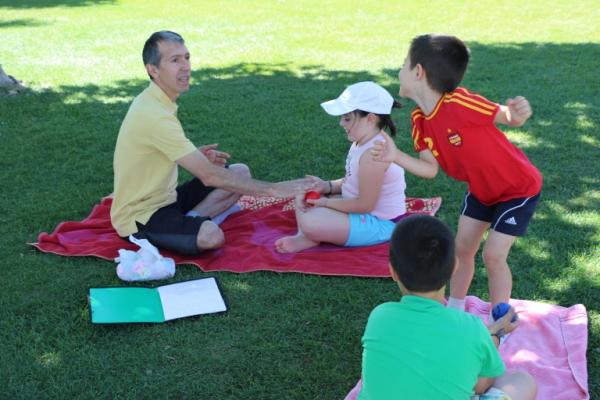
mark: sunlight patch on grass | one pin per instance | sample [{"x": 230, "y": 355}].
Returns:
[
  {"x": 540, "y": 250},
  {"x": 50, "y": 359},
  {"x": 589, "y": 140},
  {"x": 589, "y": 261},
  {"x": 525, "y": 140},
  {"x": 586, "y": 221},
  {"x": 239, "y": 286},
  {"x": 543, "y": 122},
  {"x": 582, "y": 219},
  {"x": 583, "y": 122},
  {"x": 587, "y": 199},
  {"x": 576, "y": 105},
  {"x": 82, "y": 97}
]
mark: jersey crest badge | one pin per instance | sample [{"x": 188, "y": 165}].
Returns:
[{"x": 454, "y": 138}]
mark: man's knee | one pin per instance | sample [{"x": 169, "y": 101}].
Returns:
[
  {"x": 210, "y": 236},
  {"x": 240, "y": 169}
]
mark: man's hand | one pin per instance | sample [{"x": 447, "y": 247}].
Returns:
[
  {"x": 519, "y": 111},
  {"x": 213, "y": 155},
  {"x": 384, "y": 151},
  {"x": 322, "y": 187},
  {"x": 295, "y": 187}
]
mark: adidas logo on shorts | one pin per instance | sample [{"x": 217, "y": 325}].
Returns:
[{"x": 510, "y": 221}]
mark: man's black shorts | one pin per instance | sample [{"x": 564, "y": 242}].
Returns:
[
  {"x": 170, "y": 228},
  {"x": 510, "y": 217}
]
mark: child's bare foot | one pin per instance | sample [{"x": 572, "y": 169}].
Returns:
[{"x": 294, "y": 244}]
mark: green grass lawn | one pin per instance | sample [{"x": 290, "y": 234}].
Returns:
[{"x": 261, "y": 68}]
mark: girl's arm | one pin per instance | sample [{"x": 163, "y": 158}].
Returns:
[
  {"x": 426, "y": 166},
  {"x": 514, "y": 113},
  {"x": 370, "y": 180}
]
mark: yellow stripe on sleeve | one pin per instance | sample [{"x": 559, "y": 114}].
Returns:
[
  {"x": 415, "y": 136},
  {"x": 468, "y": 105},
  {"x": 475, "y": 102}
]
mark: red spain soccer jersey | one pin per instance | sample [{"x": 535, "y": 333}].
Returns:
[{"x": 461, "y": 134}]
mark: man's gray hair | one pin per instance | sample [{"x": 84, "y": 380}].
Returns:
[{"x": 151, "y": 53}]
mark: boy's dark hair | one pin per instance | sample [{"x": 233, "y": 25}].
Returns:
[
  {"x": 422, "y": 253},
  {"x": 151, "y": 52},
  {"x": 444, "y": 59},
  {"x": 385, "y": 120}
]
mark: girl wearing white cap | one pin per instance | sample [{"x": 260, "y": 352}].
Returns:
[{"x": 361, "y": 208}]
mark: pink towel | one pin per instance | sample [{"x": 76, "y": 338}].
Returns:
[
  {"x": 550, "y": 344},
  {"x": 249, "y": 234}
]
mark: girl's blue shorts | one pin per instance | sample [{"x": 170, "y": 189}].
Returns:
[{"x": 367, "y": 229}]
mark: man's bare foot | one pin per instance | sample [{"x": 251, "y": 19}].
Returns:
[{"x": 294, "y": 244}]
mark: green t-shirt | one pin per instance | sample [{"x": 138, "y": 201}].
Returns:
[{"x": 418, "y": 349}]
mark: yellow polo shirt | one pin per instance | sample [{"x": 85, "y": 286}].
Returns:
[{"x": 145, "y": 173}]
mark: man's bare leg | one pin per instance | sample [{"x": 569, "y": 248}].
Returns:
[{"x": 220, "y": 200}]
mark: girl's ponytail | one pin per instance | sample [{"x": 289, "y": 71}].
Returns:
[{"x": 385, "y": 120}]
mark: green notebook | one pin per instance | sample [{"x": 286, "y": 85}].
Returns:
[{"x": 118, "y": 305}]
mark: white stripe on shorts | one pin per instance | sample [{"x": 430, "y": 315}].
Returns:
[{"x": 510, "y": 209}]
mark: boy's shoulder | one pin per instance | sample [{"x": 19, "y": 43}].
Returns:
[
  {"x": 464, "y": 93},
  {"x": 460, "y": 103}
]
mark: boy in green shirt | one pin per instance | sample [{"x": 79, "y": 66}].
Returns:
[{"x": 418, "y": 348}]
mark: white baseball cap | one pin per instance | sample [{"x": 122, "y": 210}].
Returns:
[{"x": 365, "y": 96}]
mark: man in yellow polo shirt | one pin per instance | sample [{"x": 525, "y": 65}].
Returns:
[{"x": 150, "y": 146}]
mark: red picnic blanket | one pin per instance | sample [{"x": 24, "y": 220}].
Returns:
[{"x": 249, "y": 241}]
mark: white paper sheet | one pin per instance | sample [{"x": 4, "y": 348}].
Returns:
[{"x": 184, "y": 299}]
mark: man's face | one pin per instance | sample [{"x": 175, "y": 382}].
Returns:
[{"x": 173, "y": 73}]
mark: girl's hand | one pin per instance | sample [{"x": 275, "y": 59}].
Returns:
[
  {"x": 321, "y": 202},
  {"x": 384, "y": 151}
]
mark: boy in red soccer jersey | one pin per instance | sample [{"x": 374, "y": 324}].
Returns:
[{"x": 455, "y": 129}]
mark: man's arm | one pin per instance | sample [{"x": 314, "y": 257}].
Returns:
[
  {"x": 514, "y": 113},
  {"x": 370, "y": 178},
  {"x": 212, "y": 175}
]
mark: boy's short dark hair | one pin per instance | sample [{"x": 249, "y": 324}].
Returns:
[
  {"x": 422, "y": 253},
  {"x": 444, "y": 58}
]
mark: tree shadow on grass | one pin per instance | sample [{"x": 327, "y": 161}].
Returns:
[
  {"x": 52, "y": 3},
  {"x": 59, "y": 146},
  {"x": 19, "y": 23}
]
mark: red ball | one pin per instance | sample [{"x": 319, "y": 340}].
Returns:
[
  {"x": 312, "y": 195},
  {"x": 418, "y": 204}
]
